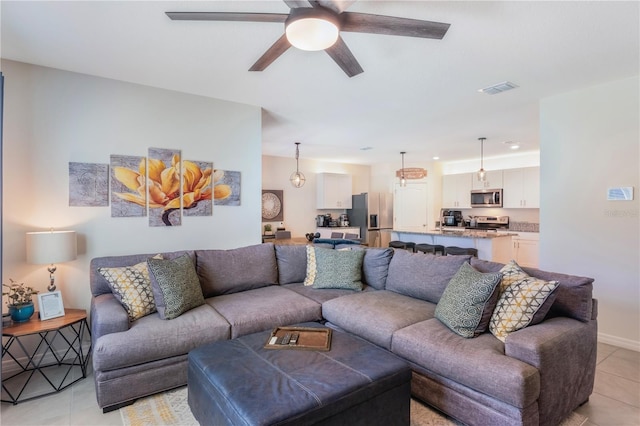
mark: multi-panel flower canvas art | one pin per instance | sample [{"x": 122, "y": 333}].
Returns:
[{"x": 161, "y": 183}]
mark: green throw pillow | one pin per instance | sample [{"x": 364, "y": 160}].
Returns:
[
  {"x": 468, "y": 301},
  {"x": 175, "y": 285},
  {"x": 328, "y": 268}
]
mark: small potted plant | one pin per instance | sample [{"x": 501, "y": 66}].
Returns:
[
  {"x": 20, "y": 301},
  {"x": 267, "y": 229}
]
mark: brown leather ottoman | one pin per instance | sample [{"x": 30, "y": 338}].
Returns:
[{"x": 238, "y": 382}]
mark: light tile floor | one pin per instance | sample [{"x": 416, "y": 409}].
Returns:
[{"x": 615, "y": 400}]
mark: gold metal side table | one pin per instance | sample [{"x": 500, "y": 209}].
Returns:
[{"x": 55, "y": 344}]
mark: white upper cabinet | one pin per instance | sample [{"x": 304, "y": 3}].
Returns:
[
  {"x": 493, "y": 180},
  {"x": 456, "y": 190},
  {"x": 410, "y": 207},
  {"x": 522, "y": 188},
  {"x": 334, "y": 191}
]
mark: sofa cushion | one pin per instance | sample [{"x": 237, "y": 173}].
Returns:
[
  {"x": 375, "y": 266},
  {"x": 131, "y": 286},
  {"x": 176, "y": 287},
  {"x": 151, "y": 338},
  {"x": 231, "y": 271},
  {"x": 292, "y": 263},
  {"x": 420, "y": 276},
  {"x": 321, "y": 295},
  {"x": 574, "y": 296},
  {"x": 376, "y": 315},
  {"x": 468, "y": 301},
  {"x": 518, "y": 304},
  {"x": 263, "y": 308},
  {"x": 478, "y": 363},
  {"x": 327, "y": 268}
]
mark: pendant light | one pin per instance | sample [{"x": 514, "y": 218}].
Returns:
[
  {"x": 482, "y": 175},
  {"x": 297, "y": 178},
  {"x": 403, "y": 180}
]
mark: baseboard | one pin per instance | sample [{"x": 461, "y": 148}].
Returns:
[
  {"x": 9, "y": 366},
  {"x": 633, "y": 345}
]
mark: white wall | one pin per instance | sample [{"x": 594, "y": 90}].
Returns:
[
  {"x": 590, "y": 142},
  {"x": 53, "y": 117},
  {"x": 300, "y": 203}
]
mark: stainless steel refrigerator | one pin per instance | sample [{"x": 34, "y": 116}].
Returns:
[{"x": 373, "y": 213}]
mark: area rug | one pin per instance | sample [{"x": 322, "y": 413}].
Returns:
[{"x": 171, "y": 409}]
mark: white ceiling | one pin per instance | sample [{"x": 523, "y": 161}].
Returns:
[{"x": 415, "y": 95}]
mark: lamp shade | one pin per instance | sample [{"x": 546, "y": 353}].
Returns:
[{"x": 51, "y": 247}]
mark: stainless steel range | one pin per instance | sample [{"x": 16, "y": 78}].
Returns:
[{"x": 490, "y": 223}]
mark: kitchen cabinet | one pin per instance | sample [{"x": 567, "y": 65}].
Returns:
[
  {"x": 334, "y": 191},
  {"x": 456, "y": 190},
  {"x": 494, "y": 180},
  {"x": 526, "y": 249},
  {"x": 410, "y": 207},
  {"x": 522, "y": 188}
]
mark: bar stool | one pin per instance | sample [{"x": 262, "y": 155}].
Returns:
[
  {"x": 403, "y": 245},
  {"x": 430, "y": 248},
  {"x": 460, "y": 250}
]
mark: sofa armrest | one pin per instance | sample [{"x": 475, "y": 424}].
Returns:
[
  {"x": 564, "y": 352},
  {"x": 107, "y": 316}
]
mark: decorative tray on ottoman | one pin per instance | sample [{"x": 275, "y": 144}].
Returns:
[{"x": 302, "y": 338}]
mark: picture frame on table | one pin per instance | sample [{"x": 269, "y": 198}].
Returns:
[{"x": 51, "y": 305}]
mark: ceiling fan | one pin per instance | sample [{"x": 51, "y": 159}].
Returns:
[{"x": 316, "y": 25}]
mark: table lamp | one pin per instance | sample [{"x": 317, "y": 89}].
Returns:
[{"x": 51, "y": 247}]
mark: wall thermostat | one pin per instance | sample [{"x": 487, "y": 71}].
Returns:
[{"x": 620, "y": 193}]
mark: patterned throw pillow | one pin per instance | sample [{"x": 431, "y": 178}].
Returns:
[
  {"x": 511, "y": 273},
  {"x": 468, "y": 301},
  {"x": 327, "y": 268},
  {"x": 523, "y": 301},
  {"x": 131, "y": 285},
  {"x": 176, "y": 286},
  {"x": 311, "y": 266}
]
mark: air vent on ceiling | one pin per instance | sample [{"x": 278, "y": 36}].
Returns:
[{"x": 498, "y": 88}]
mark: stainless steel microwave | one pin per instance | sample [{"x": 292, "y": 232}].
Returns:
[{"x": 486, "y": 198}]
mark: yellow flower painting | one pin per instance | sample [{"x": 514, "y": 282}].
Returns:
[
  {"x": 128, "y": 186},
  {"x": 172, "y": 187}
]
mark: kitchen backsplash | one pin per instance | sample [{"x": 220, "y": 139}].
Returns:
[{"x": 524, "y": 226}]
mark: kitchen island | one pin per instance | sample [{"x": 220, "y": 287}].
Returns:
[{"x": 491, "y": 245}]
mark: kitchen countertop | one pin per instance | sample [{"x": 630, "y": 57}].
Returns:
[{"x": 460, "y": 234}]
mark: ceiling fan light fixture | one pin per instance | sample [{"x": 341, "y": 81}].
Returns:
[{"x": 311, "y": 29}]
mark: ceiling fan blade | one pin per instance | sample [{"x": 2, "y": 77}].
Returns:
[
  {"x": 337, "y": 6},
  {"x": 294, "y": 4},
  {"x": 278, "y": 48},
  {"x": 340, "y": 53},
  {"x": 227, "y": 16},
  {"x": 391, "y": 25}
]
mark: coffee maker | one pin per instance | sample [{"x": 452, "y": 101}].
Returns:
[
  {"x": 451, "y": 217},
  {"x": 321, "y": 221}
]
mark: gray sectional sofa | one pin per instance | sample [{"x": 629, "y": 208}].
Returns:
[{"x": 538, "y": 375}]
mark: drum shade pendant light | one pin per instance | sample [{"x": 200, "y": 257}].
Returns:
[
  {"x": 297, "y": 178},
  {"x": 403, "y": 179},
  {"x": 311, "y": 28},
  {"x": 482, "y": 175}
]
